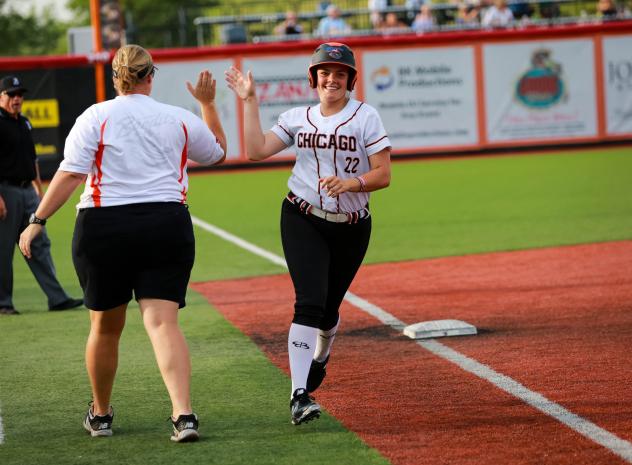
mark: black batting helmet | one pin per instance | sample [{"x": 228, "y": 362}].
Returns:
[{"x": 333, "y": 52}]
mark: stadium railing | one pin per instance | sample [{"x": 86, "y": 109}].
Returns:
[{"x": 236, "y": 28}]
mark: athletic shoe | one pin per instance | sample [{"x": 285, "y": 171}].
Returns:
[
  {"x": 303, "y": 408},
  {"x": 317, "y": 373},
  {"x": 8, "y": 311},
  {"x": 98, "y": 425},
  {"x": 67, "y": 305},
  {"x": 185, "y": 428}
]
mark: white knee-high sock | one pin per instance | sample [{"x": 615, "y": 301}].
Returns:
[
  {"x": 301, "y": 343},
  {"x": 324, "y": 342}
]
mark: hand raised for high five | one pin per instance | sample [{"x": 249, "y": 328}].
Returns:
[
  {"x": 244, "y": 87},
  {"x": 204, "y": 90}
]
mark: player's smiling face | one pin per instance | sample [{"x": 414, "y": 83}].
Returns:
[{"x": 332, "y": 82}]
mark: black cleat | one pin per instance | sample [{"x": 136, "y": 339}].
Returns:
[
  {"x": 317, "y": 373},
  {"x": 8, "y": 311},
  {"x": 98, "y": 426},
  {"x": 185, "y": 428},
  {"x": 303, "y": 407}
]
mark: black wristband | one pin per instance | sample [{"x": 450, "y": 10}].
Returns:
[{"x": 35, "y": 220}]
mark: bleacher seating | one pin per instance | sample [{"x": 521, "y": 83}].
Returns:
[{"x": 236, "y": 28}]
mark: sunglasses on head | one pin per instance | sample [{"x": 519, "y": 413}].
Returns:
[
  {"x": 142, "y": 73},
  {"x": 148, "y": 71},
  {"x": 15, "y": 93}
]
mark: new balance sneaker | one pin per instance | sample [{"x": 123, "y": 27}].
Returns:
[
  {"x": 98, "y": 425},
  {"x": 303, "y": 408},
  {"x": 185, "y": 428},
  {"x": 317, "y": 373}
]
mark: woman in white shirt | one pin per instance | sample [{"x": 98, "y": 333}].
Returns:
[{"x": 133, "y": 233}]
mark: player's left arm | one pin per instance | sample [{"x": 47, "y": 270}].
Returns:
[{"x": 378, "y": 177}]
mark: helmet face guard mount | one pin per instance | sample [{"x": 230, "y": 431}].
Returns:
[{"x": 333, "y": 53}]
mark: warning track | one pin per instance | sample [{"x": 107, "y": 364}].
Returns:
[{"x": 556, "y": 321}]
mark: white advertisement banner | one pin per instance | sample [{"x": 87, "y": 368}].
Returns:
[
  {"x": 540, "y": 90},
  {"x": 426, "y": 97},
  {"x": 170, "y": 87},
  {"x": 617, "y": 61},
  {"x": 281, "y": 84}
]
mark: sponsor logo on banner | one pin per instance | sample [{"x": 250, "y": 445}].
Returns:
[
  {"x": 619, "y": 80},
  {"x": 42, "y": 113},
  {"x": 382, "y": 78},
  {"x": 542, "y": 85},
  {"x": 285, "y": 91},
  {"x": 620, "y": 75}
]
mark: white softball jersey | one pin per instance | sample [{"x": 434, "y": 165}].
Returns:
[
  {"x": 338, "y": 145},
  {"x": 135, "y": 150}
]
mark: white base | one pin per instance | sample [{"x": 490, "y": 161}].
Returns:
[{"x": 439, "y": 328}]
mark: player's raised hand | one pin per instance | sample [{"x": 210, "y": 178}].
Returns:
[
  {"x": 243, "y": 86},
  {"x": 204, "y": 90}
]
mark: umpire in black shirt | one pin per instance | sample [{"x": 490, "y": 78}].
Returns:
[{"x": 20, "y": 193}]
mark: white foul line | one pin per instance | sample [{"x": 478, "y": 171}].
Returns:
[
  {"x": 1, "y": 429},
  {"x": 582, "y": 426}
]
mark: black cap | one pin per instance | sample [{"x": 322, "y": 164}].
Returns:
[{"x": 11, "y": 84}]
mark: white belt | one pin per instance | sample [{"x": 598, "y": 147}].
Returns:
[
  {"x": 329, "y": 216},
  {"x": 332, "y": 217}
]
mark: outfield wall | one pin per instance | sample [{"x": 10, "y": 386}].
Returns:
[{"x": 439, "y": 92}]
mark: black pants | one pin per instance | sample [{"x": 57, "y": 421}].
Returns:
[{"x": 323, "y": 258}]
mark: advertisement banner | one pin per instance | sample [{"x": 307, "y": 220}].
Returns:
[
  {"x": 170, "y": 87},
  {"x": 426, "y": 97},
  {"x": 281, "y": 84},
  {"x": 617, "y": 61},
  {"x": 540, "y": 90}
]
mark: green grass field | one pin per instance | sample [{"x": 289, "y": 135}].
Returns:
[{"x": 434, "y": 208}]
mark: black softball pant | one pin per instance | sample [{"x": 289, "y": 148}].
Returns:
[{"x": 323, "y": 258}]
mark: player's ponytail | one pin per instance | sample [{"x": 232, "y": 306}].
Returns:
[{"x": 131, "y": 64}]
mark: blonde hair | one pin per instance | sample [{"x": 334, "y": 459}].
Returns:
[{"x": 131, "y": 64}]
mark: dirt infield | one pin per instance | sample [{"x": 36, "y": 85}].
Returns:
[{"x": 557, "y": 320}]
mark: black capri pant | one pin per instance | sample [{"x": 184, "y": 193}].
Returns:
[
  {"x": 145, "y": 249},
  {"x": 323, "y": 258}
]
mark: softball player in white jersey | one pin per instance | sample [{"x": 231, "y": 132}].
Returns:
[{"x": 342, "y": 154}]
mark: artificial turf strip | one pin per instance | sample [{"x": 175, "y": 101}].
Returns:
[
  {"x": 435, "y": 208},
  {"x": 241, "y": 398}
]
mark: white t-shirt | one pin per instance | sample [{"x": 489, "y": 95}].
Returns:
[
  {"x": 338, "y": 145},
  {"x": 494, "y": 17},
  {"x": 134, "y": 150}
]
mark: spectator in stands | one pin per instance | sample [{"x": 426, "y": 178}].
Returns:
[
  {"x": 497, "y": 15},
  {"x": 606, "y": 9},
  {"x": 424, "y": 21},
  {"x": 412, "y": 8},
  {"x": 376, "y": 10},
  {"x": 392, "y": 23},
  {"x": 468, "y": 13},
  {"x": 332, "y": 24},
  {"x": 521, "y": 10},
  {"x": 289, "y": 26}
]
